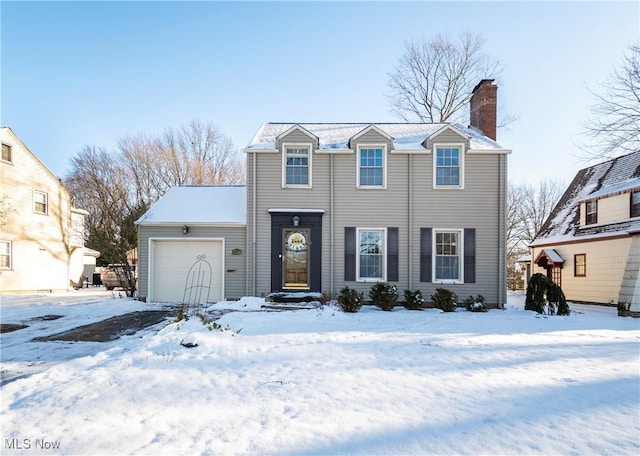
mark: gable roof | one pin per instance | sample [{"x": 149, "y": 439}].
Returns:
[
  {"x": 336, "y": 136},
  {"x": 7, "y": 131},
  {"x": 604, "y": 179},
  {"x": 199, "y": 204}
]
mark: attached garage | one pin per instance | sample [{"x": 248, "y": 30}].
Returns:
[
  {"x": 192, "y": 246},
  {"x": 189, "y": 270}
]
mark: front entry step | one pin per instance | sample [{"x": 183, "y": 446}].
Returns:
[
  {"x": 293, "y": 296},
  {"x": 292, "y": 300}
]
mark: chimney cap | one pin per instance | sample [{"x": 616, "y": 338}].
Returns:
[{"x": 481, "y": 83}]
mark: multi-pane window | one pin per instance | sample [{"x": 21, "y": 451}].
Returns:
[
  {"x": 6, "y": 152},
  {"x": 5, "y": 254},
  {"x": 591, "y": 212},
  {"x": 370, "y": 254},
  {"x": 635, "y": 204},
  {"x": 580, "y": 265},
  {"x": 297, "y": 166},
  {"x": 447, "y": 248},
  {"x": 448, "y": 166},
  {"x": 371, "y": 167},
  {"x": 40, "y": 202}
]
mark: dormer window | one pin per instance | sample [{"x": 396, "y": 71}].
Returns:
[
  {"x": 296, "y": 159},
  {"x": 371, "y": 166},
  {"x": 635, "y": 204},
  {"x": 448, "y": 167},
  {"x": 591, "y": 213}
]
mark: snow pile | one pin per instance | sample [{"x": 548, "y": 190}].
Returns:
[{"x": 324, "y": 382}]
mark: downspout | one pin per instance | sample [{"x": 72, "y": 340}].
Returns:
[
  {"x": 253, "y": 227},
  {"x": 410, "y": 230},
  {"x": 331, "y": 226},
  {"x": 501, "y": 246}
]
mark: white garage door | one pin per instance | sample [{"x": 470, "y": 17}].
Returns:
[{"x": 187, "y": 271}]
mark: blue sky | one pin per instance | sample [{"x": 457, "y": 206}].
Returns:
[{"x": 90, "y": 73}]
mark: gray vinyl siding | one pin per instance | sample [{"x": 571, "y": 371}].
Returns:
[
  {"x": 235, "y": 238},
  {"x": 478, "y": 206},
  {"x": 270, "y": 195},
  {"x": 447, "y": 136},
  {"x": 371, "y": 137},
  {"x": 297, "y": 137}
]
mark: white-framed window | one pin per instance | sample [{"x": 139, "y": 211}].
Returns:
[
  {"x": 591, "y": 213},
  {"x": 635, "y": 204},
  {"x": 371, "y": 256},
  {"x": 5, "y": 254},
  {"x": 40, "y": 202},
  {"x": 6, "y": 153},
  {"x": 448, "y": 258},
  {"x": 448, "y": 166},
  {"x": 296, "y": 165},
  {"x": 372, "y": 166}
]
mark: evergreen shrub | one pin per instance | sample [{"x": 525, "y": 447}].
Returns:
[
  {"x": 349, "y": 300},
  {"x": 545, "y": 296},
  {"x": 384, "y": 296},
  {"x": 445, "y": 300},
  {"x": 476, "y": 304},
  {"x": 413, "y": 300}
]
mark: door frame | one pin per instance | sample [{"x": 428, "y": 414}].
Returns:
[{"x": 310, "y": 219}]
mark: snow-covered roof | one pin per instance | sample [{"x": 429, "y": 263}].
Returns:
[
  {"x": 605, "y": 179},
  {"x": 551, "y": 255},
  {"x": 199, "y": 204},
  {"x": 336, "y": 136},
  {"x": 615, "y": 189}
]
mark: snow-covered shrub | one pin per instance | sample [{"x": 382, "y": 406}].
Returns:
[
  {"x": 445, "y": 300},
  {"x": 384, "y": 295},
  {"x": 350, "y": 300},
  {"x": 476, "y": 304},
  {"x": 413, "y": 300},
  {"x": 545, "y": 296}
]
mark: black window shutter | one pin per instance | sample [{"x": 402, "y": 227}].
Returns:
[
  {"x": 349, "y": 253},
  {"x": 425, "y": 254},
  {"x": 469, "y": 255},
  {"x": 392, "y": 254}
]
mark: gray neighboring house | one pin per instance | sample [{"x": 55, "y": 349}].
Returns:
[
  {"x": 193, "y": 235},
  {"x": 329, "y": 205}
]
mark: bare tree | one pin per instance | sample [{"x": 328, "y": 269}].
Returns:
[
  {"x": 614, "y": 125},
  {"x": 433, "y": 80},
  {"x": 117, "y": 189},
  {"x": 100, "y": 185},
  {"x": 528, "y": 208},
  {"x": 195, "y": 154}
]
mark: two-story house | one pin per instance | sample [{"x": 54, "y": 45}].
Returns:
[
  {"x": 41, "y": 232},
  {"x": 590, "y": 244},
  {"x": 330, "y": 205}
]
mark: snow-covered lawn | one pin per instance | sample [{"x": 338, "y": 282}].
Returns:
[{"x": 320, "y": 381}]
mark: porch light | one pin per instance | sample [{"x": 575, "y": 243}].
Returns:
[
  {"x": 296, "y": 220},
  {"x": 185, "y": 229}
]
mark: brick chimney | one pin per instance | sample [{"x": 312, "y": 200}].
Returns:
[{"x": 483, "y": 107}]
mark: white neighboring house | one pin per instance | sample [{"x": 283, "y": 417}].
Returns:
[
  {"x": 590, "y": 244},
  {"x": 41, "y": 233}
]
